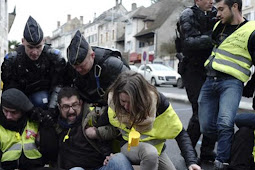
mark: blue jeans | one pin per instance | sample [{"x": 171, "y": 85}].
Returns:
[
  {"x": 118, "y": 161},
  {"x": 218, "y": 103},
  {"x": 245, "y": 120}
]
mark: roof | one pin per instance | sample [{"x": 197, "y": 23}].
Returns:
[{"x": 157, "y": 14}]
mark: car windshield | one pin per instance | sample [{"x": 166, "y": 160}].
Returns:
[{"x": 160, "y": 67}]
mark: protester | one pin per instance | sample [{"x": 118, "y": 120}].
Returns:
[
  {"x": 19, "y": 136},
  {"x": 79, "y": 146},
  {"x": 92, "y": 69},
  {"x": 242, "y": 150},
  {"x": 195, "y": 25},
  {"x": 133, "y": 102},
  {"x": 34, "y": 67},
  {"x": 227, "y": 68}
]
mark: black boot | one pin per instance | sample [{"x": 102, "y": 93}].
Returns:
[{"x": 207, "y": 153}]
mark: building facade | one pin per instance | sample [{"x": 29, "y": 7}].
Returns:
[
  {"x": 62, "y": 36},
  {"x": 249, "y": 9},
  {"x": 3, "y": 29}
]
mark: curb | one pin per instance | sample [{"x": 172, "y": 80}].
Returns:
[{"x": 183, "y": 98}]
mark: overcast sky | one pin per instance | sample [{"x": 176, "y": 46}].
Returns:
[{"x": 48, "y": 12}]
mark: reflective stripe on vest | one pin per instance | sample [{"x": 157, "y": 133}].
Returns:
[
  {"x": 12, "y": 144},
  {"x": 232, "y": 55},
  {"x": 166, "y": 126}
]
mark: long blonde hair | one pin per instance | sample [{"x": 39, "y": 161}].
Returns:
[{"x": 139, "y": 91}]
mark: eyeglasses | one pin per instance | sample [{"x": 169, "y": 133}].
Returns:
[{"x": 74, "y": 106}]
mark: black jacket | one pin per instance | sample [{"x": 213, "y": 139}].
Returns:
[
  {"x": 18, "y": 71},
  {"x": 183, "y": 139},
  {"x": 111, "y": 67},
  {"x": 78, "y": 150},
  {"x": 196, "y": 28}
]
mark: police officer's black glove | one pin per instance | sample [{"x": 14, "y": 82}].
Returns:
[
  {"x": 47, "y": 119},
  {"x": 44, "y": 117},
  {"x": 35, "y": 114}
]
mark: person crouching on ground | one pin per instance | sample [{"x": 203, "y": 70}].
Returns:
[{"x": 133, "y": 102}]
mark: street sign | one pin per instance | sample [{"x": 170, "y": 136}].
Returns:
[{"x": 144, "y": 55}]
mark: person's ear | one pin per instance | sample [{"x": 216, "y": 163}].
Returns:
[
  {"x": 93, "y": 55},
  {"x": 235, "y": 6},
  {"x": 81, "y": 102},
  {"x": 59, "y": 107}
]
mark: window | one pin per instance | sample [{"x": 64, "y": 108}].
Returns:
[
  {"x": 101, "y": 38},
  {"x": 112, "y": 34},
  {"x": 247, "y": 16},
  {"x": 95, "y": 36},
  {"x": 141, "y": 44},
  {"x": 247, "y": 3},
  {"x": 129, "y": 29}
]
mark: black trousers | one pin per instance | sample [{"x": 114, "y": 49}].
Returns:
[
  {"x": 194, "y": 77},
  {"x": 241, "y": 151}
]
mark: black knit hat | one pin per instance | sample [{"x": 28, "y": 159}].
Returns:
[
  {"x": 77, "y": 50},
  {"x": 33, "y": 32},
  {"x": 16, "y": 99}
]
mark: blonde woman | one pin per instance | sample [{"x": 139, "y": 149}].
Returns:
[{"x": 133, "y": 102}]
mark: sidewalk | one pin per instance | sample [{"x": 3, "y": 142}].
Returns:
[{"x": 244, "y": 105}]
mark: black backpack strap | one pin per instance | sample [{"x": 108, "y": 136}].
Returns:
[{"x": 101, "y": 54}]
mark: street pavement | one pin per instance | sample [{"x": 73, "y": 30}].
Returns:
[
  {"x": 178, "y": 95},
  {"x": 184, "y": 111}
]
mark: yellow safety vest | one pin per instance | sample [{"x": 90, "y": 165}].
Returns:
[
  {"x": 232, "y": 56},
  {"x": 12, "y": 143},
  {"x": 166, "y": 126}
]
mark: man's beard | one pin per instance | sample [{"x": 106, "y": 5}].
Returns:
[
  {"x": 230, "y": 18},
  {"x": 70, "y": 115}
]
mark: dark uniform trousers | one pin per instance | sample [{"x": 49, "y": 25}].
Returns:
[
  {"x": 193, "y": 78},
  {"x": 241, "y": 151}
]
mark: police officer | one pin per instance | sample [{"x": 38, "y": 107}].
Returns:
[
  {"x": 196, "y": 24},
  {"x": 92, "y": 69},
  {"x": 34, "y": 67}
]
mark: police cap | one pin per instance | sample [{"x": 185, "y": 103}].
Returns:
[
  {"x": 15, "y": 99},
  {"x": 33, "y": 32},
  {"x": 77, "y": 50}
]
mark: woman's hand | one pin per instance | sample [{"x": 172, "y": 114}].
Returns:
[
  {"x": 107, "y": 159},
  {"x": 91, "y": 132},
  {"x": 194, "y": 167}
]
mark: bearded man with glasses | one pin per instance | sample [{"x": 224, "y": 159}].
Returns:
[{"x": 78, "y": 147}]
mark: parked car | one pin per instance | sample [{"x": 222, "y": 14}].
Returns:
[
  {"x": 133, "y": 67},
  {"x": 158, "y": 74}
]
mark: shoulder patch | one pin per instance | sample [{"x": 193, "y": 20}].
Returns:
[
  {"x": 12, "y": 54},
  {"x": 53, "y": 51}
]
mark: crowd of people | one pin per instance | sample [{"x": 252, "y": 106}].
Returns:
[{"x": 78, "y": 114}]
